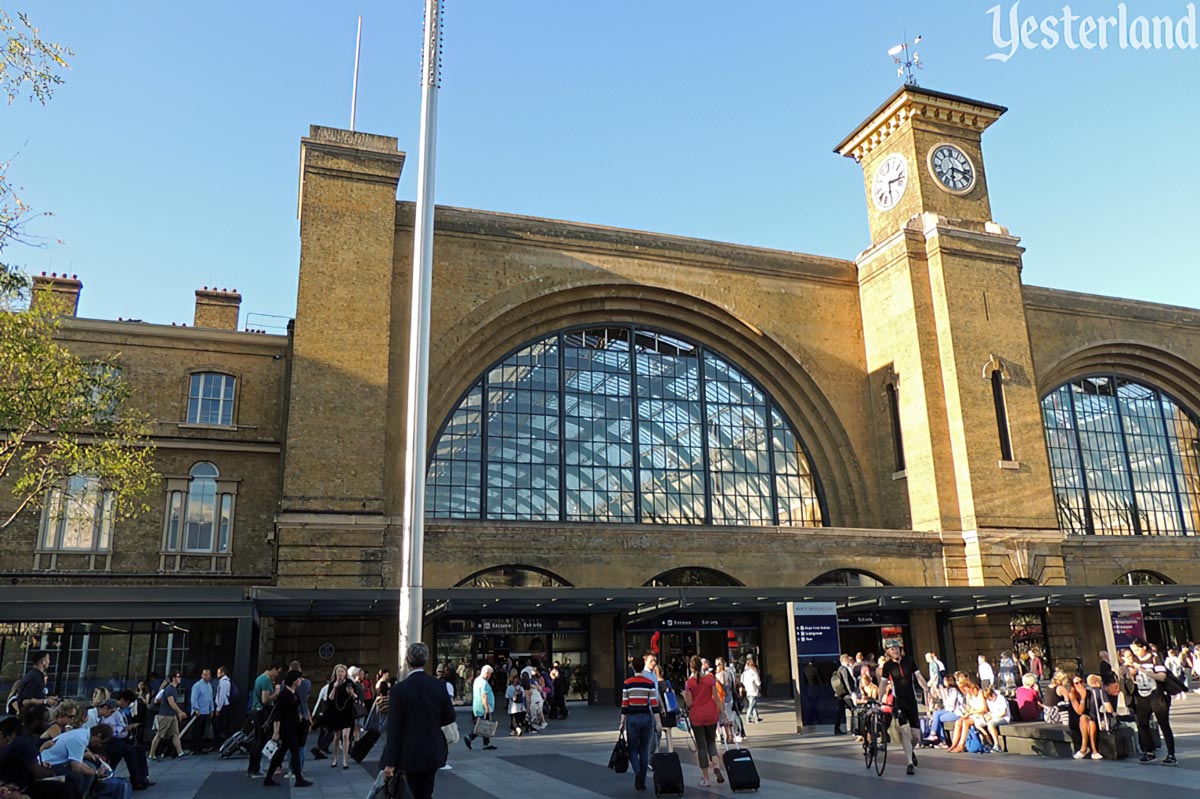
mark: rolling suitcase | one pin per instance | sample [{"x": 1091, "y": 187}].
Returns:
[
  {"x": 362, "y": 747},
  {"x": 668, "y": 773},
  {"x": 740, "y": 770}
]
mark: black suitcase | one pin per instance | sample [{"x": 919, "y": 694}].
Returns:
[
  {"x": 668, "y": 773},
  {"x": 740, "y": 770},
  {"x": 362, "y": 747}
]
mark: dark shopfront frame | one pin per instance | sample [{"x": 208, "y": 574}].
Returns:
[
  {"x": 690, "y": 623},
  {"x": 497, "y": 636},
  {"x": 59, "y": 605}
]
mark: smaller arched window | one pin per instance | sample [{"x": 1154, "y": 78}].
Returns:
[
  {"x": 1142, "y": 578},
  {"x": 849, "y": 578},
  {"x": 693, "y": 576},
  {"x": 513, "y": 577},
  {"x": 210, "y": 398},
  {"x": 199, "y": 513}
]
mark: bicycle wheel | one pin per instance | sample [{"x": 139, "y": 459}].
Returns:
[
  {"x": 868, "y": 748},
  {"x": 880, "y": 733}
]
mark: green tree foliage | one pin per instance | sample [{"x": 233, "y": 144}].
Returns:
[{"x": 60, "y": 414}]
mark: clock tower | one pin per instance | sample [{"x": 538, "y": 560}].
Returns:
[{"x": 946, "y": 336}]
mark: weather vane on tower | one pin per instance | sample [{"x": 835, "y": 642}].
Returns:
[{"x": 907, "y": 62}]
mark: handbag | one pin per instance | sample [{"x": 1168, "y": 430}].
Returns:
[
  {"x": 450, "y": 733},
  {"x": 1051, "y": 714},
  {"x": 618, "y": 761},
  {"x": 1172, "y": 685},
  {"x": 484, "y": 727},
  {"x": 395, "y": 788},
  {"x": 268, "y": 751}
]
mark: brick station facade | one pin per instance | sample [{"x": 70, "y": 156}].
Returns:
[{"x": 915, "y": 377}]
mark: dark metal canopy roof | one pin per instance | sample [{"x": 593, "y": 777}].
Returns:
[{"x": 641, "y": 603}]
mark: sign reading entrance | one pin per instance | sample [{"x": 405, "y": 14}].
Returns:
[{"x": 816, "y": 625}]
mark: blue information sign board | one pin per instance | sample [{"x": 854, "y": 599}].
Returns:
[{"x": 816, "y": 625}]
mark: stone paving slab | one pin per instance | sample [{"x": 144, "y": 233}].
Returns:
[{"x": 568, "y": 760}]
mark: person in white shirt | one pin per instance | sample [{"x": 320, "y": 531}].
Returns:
[
  {"x": 753, "y": 686},
  {"x": 222, "y": 707},
  {"x": 987, "y": 675},
  {"x": 998, "y": 714}
]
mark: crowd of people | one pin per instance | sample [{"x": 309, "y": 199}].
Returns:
[
  {"x": 964, "y": 712},
  {"x": 714, "y": 698}
]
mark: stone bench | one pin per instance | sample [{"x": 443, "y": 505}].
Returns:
[{"x": 1037, "y": 738}]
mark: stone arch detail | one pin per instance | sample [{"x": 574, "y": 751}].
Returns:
[
  {"x": 1157, "y": 367},
  {"x": 497, "y": 328}
]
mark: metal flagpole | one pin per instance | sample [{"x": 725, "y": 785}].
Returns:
[
  {"x": 354, "y": 88},
  {"x": 413, "y": 532}
]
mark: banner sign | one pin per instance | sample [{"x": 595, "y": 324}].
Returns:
[
  {"x": 1127, "y": 621},
  {"x": 816, "y": 626}
]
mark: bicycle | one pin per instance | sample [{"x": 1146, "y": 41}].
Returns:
[{"x": 873, "y": 724}]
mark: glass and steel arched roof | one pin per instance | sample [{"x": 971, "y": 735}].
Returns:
[
  {"x": 1123, "y": 458},
  {"x": 620, "y": 424}
]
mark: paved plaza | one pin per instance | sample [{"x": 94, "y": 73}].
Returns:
[{"x": 568, "y": 761}]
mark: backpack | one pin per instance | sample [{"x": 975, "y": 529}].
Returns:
[
  {"x": 838, "y": 684},
  {"x": 1173, "y": 686},
  {"x": 974, "y": 742},
  {"x": 233, "y": 691}
]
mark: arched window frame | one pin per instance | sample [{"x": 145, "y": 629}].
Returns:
[
  {"x": 193, "y": 494},
  {"x": 891, "y": 392},
  {"x": 841, "y": 577},
  {"x": 1082, "y": 520},
  {"x": 997, "y": 376},
  {"x": 479, "y": 389},
  {"x": 719, "y": 579},
  {"x": 467, "y": 581},
  {"x": 199, "y": 409},
  {"x": 1143, "y": 577}
]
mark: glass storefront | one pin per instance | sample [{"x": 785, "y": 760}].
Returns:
[
  {"x": 465, "y": 645},
  {"x": 677, "y": 637},
  {"x": 1167, "y": 629},
  {"x": 872, "y": 632},
  {"x": 114, "y": 655}
]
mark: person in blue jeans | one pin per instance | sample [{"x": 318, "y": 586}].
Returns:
[
  {"x": 640, "y": 719},
  {"x": 483, "y": 703}
]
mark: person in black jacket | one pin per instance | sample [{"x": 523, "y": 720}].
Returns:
[
  {"x": 287, "y": 732},
  {"x": 418, "y": 708}
]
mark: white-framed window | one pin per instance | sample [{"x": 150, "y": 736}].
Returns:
[
  {"x": 200, "y": 518},
  {"x": 78, "y": 517},
  {"x": 210, "y": 398},
  {"x": 101, "y": 399}
]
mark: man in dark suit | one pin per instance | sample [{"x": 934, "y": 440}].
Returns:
[
  {"x": 847, "y": 698},
  {"x": 418, "y": 708}
]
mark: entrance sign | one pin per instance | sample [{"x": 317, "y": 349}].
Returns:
[{"x": 814, "y": 635}]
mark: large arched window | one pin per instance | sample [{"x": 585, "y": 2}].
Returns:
[
  {"x": 692, "y": 576},
  {"x": 1123, "y": 458},
  {"x": 849, "y": 578},
  {"x": 199, "y": 513},
  {"x": 513, "y": 577},
  {"x": 620, "y": 424},
  {"x": 1142, "y": 578}
]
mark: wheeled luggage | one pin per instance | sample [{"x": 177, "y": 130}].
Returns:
[
  {"x": 1117, "y": 744},
  {"x": 740, "y": 770},
  {"x": 668, "y": 773},
  {"x": 362, "y": 747}
]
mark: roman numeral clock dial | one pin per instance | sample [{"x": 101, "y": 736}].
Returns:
[
  {"x": 952, "y": 168},
  {"x": 891, "y": 177}
]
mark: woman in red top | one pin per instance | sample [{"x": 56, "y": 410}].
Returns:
[{"x": 704, "y": 710}]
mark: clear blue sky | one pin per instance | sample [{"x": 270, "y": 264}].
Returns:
[{"x": 170, "y": 156}]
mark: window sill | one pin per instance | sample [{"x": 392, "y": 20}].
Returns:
[
  {"x": 194, "y": 563},
  {"x": 1013, "y": 465},
  {"x": 197, "y": 426},
  {"x": 900, "y": 475},
  {"x": 45, "y": 560}
]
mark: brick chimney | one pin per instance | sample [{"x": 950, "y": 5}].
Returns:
[
  {"x": 59, "y": 290},
  {"x": 217, "y": 308}
]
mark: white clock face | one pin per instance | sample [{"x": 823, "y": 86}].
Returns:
[
  {"x": 891, "y": 177},
  {"x": 952, "y": 168}
]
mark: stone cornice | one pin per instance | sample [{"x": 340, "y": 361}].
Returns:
[
  {"x": 912, "y": 103},
  {"x": 1078, "y": 303},
  {"x": 81, "y": 329}
]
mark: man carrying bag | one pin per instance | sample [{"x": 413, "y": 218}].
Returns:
[{"x": 418, "y": 709}]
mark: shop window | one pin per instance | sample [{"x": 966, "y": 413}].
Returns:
[
  {"x": 1028, "y": 631},
  {"x": 850, "y": 578},
  {"x": 210, "y": 399},
  {"x": 693, "y": 576},
  {"x": 513, "y": 577},
  {"x": 1142, "y": 578}
]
